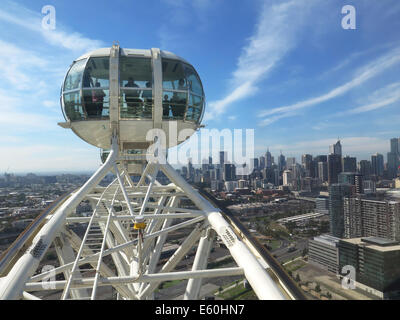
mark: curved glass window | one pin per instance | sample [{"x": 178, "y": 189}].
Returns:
[
  {"x": 193, "y": 80},
  {"x": 86, "y": 90},
  {"x": 174, "y": 105},
  {"x": 97, "y": 103},
  {"x": 73, "y": 106},
  {"x": 74, "y": 77},
  {"x": 97, "y": 73},
  {"x": 173, "y": 75},
  {"x": 135, "y": 72},
  {"x": 195, "y": 108},
  {"x": 136, "y": 82}
]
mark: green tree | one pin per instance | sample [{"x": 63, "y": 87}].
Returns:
[
  {"x": 317, "y": 288},
  {"x": 297, "y": 278}
]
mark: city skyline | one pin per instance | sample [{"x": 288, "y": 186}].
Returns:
[{"x": 300, "y": 86}]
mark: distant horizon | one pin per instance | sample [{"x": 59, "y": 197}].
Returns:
[{"x": 289, "y": 70}]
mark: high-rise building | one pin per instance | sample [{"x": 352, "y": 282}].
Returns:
[
  {"x": 377, "y": 164},
  {"x": 352, "y": 178},
  {"x": 290, "y": 161},
  {"x": 337, "y": 192},
  {"x": 394, "y": 145},
  {"x": 349, "y": 164},
  {"x": 392, "y": 164},
  {"x": 287, "y": 177},
  {"x": 323, "y": 171},
  {"x": 336, "y": 148},
  {"x": 376, "y": 262},
  {"x": 323, "y": 252},
  {"x": 365, "y": 168},
  {"x": 281, "y": 162},
  {"x": 268, "y": 159},
  {"x": 322, "y": 205},
  {"x": 334, "y": 167},
  {"x": 306, "y": 160},
  {"x": 262, "y": 162},
  {"x": 365, "y": 217},
  {"x": 369, "y": 186},
  {"x": 222, "y": 158},
  {"x": 255, "y": 163},
  {"x": 229, "y": 172},
  {"x": 321, "y": 158}
]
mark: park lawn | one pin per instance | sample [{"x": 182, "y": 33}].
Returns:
[
  {"x": 274, "y": 244},
  {"x": 293, "y": 266}
]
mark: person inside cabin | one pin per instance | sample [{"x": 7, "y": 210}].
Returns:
[
  {"x": 166, "y": 107},
  {"x": 147, "y": 96},
  {"x": 87, "y": 82},
  {"x": 98, "y": 99},
  {"x": 132, "y": 98},
  {"x": 179, "y": 101}
]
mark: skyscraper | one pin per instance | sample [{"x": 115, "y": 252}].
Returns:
[
  {"x": 349, "y": 164},
  {"x": 377, "y": 164},
  {"x": 281, "y": 162},
  {"x": 262, "y": 162},
  {"x": 334, "y": 167},
  {"x": 337, "y": 192},
  {"x": 268, "y": 159},
  {"x": 365, "y": 218},
  {"x": 393, "y": 158},
  {"x": 306, "y": 160},
  {"x": 229, "y": 172},
  {"x": 394, "y": 145},
  {"x": 336, "y": 148},
  {"x": 392, "y": 164},
  {"x": 323, "y": 171},
  {"x": 290, "y": 161},
  {"x": 353, "y": 178},
  {"x": 365, "y": 168}
]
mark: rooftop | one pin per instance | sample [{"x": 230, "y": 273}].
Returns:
[{"x": 375, "y": 243}]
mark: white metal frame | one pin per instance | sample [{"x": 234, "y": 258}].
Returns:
[{"x": 135, "y": 254}]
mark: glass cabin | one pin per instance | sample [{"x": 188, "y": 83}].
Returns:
[{"x": 85, "y": 93}]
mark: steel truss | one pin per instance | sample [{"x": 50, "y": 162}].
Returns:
[{"x": 123, "y": 239}]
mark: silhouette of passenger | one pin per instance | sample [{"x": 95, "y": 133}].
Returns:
[
  {"x": 178, "y": 105},
  {"x": 132, "y": 99},
  {"x": 147, "y": 96},
  {"x": 98, "y": 99},
  {"x": 87, "y": 82},
  {"x": 87, "y": 78},
  {"x": 166, "y": 107},
  {"x": 181, "y": 85}
]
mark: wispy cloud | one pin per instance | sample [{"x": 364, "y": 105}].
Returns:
[
  {"x": 61, "y": 37},
  {"x": 17, "y": 65},
  {"x": 273, "y": 39},
  {"x": 381, "y": 98},
  {"x": 363, "y": 74}
]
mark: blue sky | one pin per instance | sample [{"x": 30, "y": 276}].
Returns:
[{"x": 285, "y": 68}]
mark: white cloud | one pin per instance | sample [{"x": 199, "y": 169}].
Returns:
[
  {"x": 61, "y": 37},
  {"x": 363, "y": 74},
  {"x": 42, "y": 157},
  {"x": 276, "y": 34}
]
